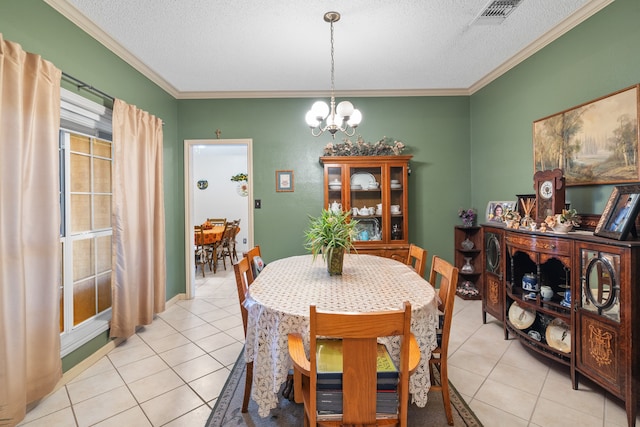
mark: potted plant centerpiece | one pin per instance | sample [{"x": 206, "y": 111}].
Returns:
[{"x": 331, "y": 234}]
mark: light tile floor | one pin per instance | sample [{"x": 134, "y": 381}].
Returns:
[{"x": 171, "y": 372}]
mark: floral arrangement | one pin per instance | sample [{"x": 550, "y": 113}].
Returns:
[
  {"x": 567, "y": 217},
  {"x": 384, "y": 147},
  {"x": 240, "y": 177},
  {"x": 467, "y": 215}
]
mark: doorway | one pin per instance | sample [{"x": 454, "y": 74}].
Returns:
[{"x": 209, "y": 165}]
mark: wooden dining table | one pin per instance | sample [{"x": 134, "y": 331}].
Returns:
[
  {"x": 278, "y": 304},
  {"x": 210, "y": 236}
]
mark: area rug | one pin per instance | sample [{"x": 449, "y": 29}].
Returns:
[{"x": 226, "y": 411}]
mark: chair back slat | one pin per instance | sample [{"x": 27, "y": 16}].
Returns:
[{"x": 417, "y": 259}]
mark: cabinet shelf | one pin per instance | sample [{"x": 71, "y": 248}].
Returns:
[
  {"x": 539, "y": 346},
  {"x": 469, "y": 251},
  {"x": 469, "y": 283},
  {"x": 551, "y": 308}
]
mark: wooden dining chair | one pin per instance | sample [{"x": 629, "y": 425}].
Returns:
[
  {"x": 358, "y": 333},
  {"x": 224, "y": 249},
  {"x": 234, "y": 242},
  {"x": 217, "y": 221},
  {"x": 242, "y": 272},
  {"x": 444, "y": 277},
  {"x": 251, "y": 254},
  {"x": 200, "y": 250},
  {"x": 417, "y": 259}
]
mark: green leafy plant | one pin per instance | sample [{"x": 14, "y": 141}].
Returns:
[
  {"x": 240, "y": 177},
  {"x": 330, "y": 230}
]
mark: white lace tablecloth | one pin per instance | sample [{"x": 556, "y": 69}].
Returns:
[{"x": 278, "y": 304}]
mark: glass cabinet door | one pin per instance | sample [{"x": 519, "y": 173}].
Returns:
[
  {"x": 366, "y": 201},
  {"x": 334, "y": 186},
  {"x": 397, "y": 185},
  {"x": 600, "y": 287}
]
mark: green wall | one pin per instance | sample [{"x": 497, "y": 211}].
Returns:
[
  {"x": 467, "y": 150},
  {"x": 435, "y": 130},
  {"x": 598, "y": 57}
]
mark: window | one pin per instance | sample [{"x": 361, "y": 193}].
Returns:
[{"x": 86, "y": 229}]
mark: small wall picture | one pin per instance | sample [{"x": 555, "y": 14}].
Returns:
[
  {"x": 284, "y": 180},
  {"x": 618, "y": 218},
  {"x": 496, "y": 209}
]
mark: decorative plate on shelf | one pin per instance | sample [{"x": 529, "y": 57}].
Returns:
[
  {"x": 363, "y": 179},
  {"x": 558, "y": 335},
  {"x": 520, "y": 317}
]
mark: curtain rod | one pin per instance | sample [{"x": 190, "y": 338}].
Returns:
[{"x": 82, "y": 85}]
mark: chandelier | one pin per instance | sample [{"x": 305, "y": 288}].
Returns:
[{"x": 344, "y": 117}]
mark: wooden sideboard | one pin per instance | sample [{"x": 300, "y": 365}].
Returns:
[{"x": 594, "y": 333}]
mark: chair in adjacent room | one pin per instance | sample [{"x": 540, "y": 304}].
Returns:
[
  {"x": 217, "y": 221},
  {"x": 444, "y": 277},
  {"x": 417, "y": 259},
  {"x": 256, "y": 264},
  {"x": 358, "y": 333},
  {"x": 224, "y": 248},
  {"x": 200, "y": 249},
  {"x": 243, "y": 272},
  {"x": 233, "y": 242}
]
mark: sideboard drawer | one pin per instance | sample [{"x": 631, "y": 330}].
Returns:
[{"x": 539, "y": 244}]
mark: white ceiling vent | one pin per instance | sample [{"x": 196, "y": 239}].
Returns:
[{"x": 496, "y": 12}]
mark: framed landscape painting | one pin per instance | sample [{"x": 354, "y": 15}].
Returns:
[{"x": 593, "y": 143}]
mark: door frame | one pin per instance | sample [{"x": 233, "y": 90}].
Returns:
[{"x": 189, "y": 186}]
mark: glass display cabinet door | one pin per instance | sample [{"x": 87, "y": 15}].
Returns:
[
  {"x": 397, "y": 184},
  {"x": 366, "y": 201},
  {"x": 334, "y": 186},
  {"x": 599, "y": 332},
  {"x": 600, "y": 283}
]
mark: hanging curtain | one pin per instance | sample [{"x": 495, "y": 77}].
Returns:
[
  {"x": 30, "y": 363},
  {"x": 138, "y": 282}
]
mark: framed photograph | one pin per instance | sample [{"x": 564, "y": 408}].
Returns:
[
  {"x": 619, "y": 216},
  {"x": 284, "y": 181},
  {"x": 495, "y": 210},
  {"x": 593, "y": 143}
]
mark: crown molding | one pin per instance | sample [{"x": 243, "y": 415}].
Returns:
[
  {"x": 72, "y": 14},
  {"x": 88, "y": 26},
  {"x": 581, "y": 15}
]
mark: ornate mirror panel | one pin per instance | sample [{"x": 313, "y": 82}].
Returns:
[
  {"x": 493, "y": 253},
  {"x": 600, "y": 283}
]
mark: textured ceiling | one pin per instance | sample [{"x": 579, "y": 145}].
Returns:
[{"x": 250, "y": 48}]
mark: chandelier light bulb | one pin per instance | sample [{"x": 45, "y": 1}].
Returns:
[
  {"x": 312, "y": 119},
  {"x": 355, "y": 118},
  {"x": 320, "y": 109},
  {"x": 345, "y": 109}
]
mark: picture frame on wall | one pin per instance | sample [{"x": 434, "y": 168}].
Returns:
[
  {"x": 593, "y": 143},
  {"x": 619, "y": 216},
  {"x": 284, "y": 181}
]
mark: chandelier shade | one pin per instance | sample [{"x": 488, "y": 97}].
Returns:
[{"x": 331, "y": 118}]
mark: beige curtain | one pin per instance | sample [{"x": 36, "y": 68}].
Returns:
[
  {"x": 30, "y": 363},
  {"x": 138, "y": 282}
]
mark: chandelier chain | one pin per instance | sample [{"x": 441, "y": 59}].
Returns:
[{"x": 332, "y": 63}]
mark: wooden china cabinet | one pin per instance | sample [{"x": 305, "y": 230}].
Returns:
[
  {"x": 595, "y": 331},
  {"x": 377, "y": 186}
]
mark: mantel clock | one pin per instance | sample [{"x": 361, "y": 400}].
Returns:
[{"x": 549, "y": 186}]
